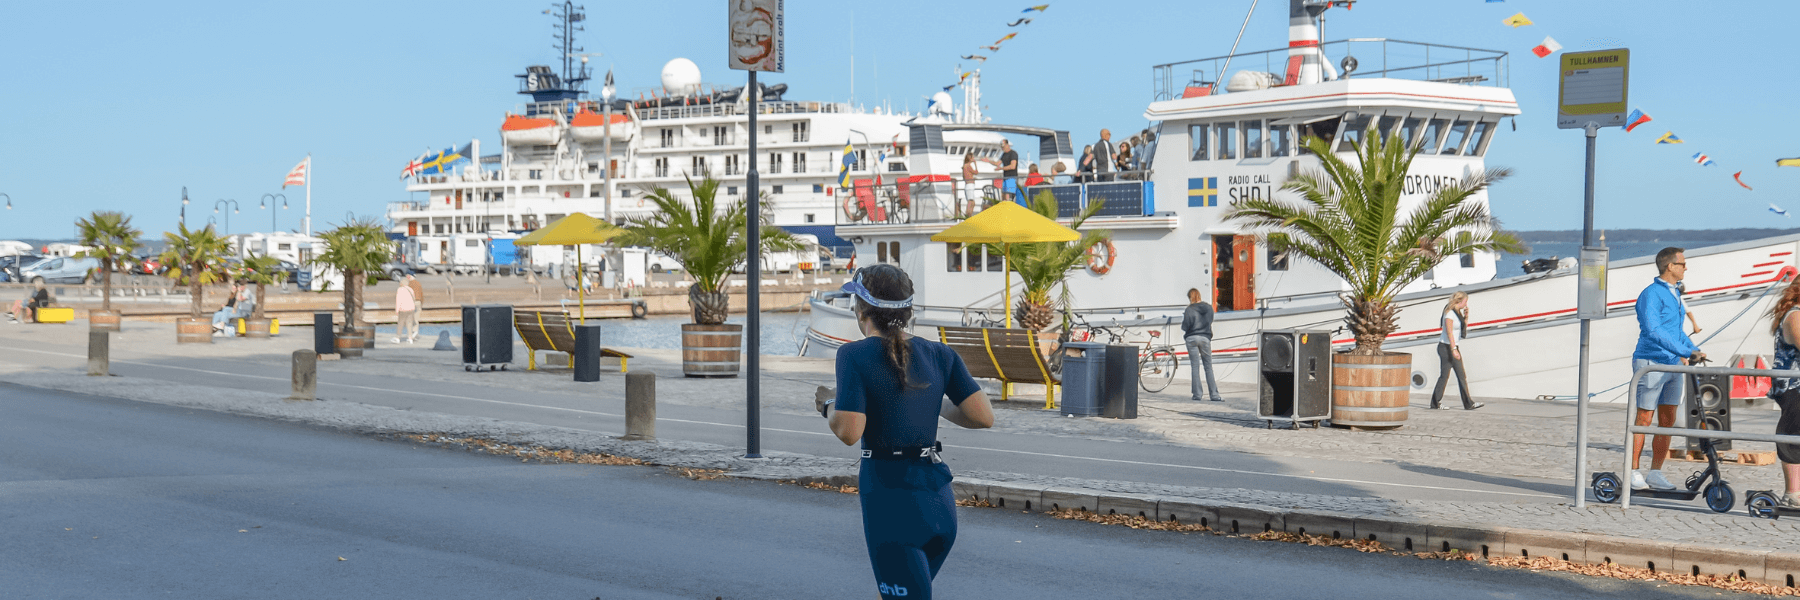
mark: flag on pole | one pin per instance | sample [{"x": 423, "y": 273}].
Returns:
[
  {"x": 1787, "y": 162},
  {"x": 1637, "y": 118},
  {"x": 1547, "y": 48},
  {"x": 1700, "y": 157},
  {"x": 1738, "y": 176},
  {"x": 297, "y": 176},
  {"x": 1668, "y": 138},
  {"x": 1517, "y": 20},
  {"x": 849, "y": 159}
]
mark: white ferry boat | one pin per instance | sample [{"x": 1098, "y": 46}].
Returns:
[{"x": 1216, "y": 144}]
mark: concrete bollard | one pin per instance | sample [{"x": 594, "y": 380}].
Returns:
[
  {"x": 306, "y": 375},
  {"x": 640, "y": 406},
  {"x": 99, "y": 353}
]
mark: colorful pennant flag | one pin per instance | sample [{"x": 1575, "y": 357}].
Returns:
[
  {"x": 849, "y": 159},
  {"x": 1738, "y": 176},
  {"x": 949, "y": 87},
  {"x": 1547, "y": 48},
  {"x": 1778, "y": 210},
  {"x": 297, "y": 175},
  {"x": 975, "y": 57},
  {"x": 1700, "y": 157},
  {"x": 1039, "y": 8},
  {"x": 1021, "y": 21},
  {"x": 1668, "y": 138},
  {"x": 1637, "y": 118},
  {"x": 993, "y": 48},
  {"x": 1003, "y": 40},
  {"x": 1787, "y": 162},
  {"x": 1517, "y": 20}
]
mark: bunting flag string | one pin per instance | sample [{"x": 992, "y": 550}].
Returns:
[
  {"x": 1778, "y": 210},
  {"x": 1700, "y": 157},
  {"x": 995, "y": 47},
  {"x": 1668, "y": 138},
  {"x": 1636, "y": 118},
  {"x": 1787, "y": 162},
  {"x": 1739, "y": 177},
  {"x": 1021, "y": 21}
]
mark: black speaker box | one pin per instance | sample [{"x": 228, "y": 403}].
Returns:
[
  {"x": 1709, "y": 407},
  {"x": 1294, "y": 376},
  {"x": 487, "y": 334}
]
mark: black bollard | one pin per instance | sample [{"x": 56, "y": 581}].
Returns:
[
  {"x": 99, "y": 353},
  {"x": 306, "y": 375},
  {"x": 640, "y": 406}
]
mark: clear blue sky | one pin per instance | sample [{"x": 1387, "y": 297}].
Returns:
[{"x": 117, "y": 105}]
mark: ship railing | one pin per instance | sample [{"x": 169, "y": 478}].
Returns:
[
  {"x": 726, "y": 109},
  {"x": 1376, "y": 58},
  {"x": 945, "y": 199}
]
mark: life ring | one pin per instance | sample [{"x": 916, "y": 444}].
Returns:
[
  {"x": 1094, "y": 259},
  {"x": 850, "y": 208},
  {"x": 639, "y": 311}
]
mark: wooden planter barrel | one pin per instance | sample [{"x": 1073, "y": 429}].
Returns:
[
  {"x": 104, "y": 320},
  {"x": 349, "y": 343},
  {"x": 256, "y": 328},
  {"x": 1370, "y": 391},
  {"x": 193, "y": 330},
  {"x": 711, "y": 350},
  {"x": 366, "y": 333}
]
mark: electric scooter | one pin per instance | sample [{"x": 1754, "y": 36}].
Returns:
[{"x": 1718, "y": 493}]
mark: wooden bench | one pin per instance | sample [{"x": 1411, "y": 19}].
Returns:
[
  {"x": 1009, "y": 355},
  {"x": 549, "y": 331}
]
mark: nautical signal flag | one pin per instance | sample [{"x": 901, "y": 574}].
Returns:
[
  {"x": 1637, "y": 118},
  {"x": 1203, "y": 192},
  {"x": 1700, "y": 157},
  {"x": 849, "y": 159},
  {"x": 1739, "y": 177},
  {"x": 1778, "y": 210},
  {"x": 975, "y": 57},
  {"x": 1547, "y": 48},
  {"x": 1669, "y": 138},
  {"x": 1517, "y": 20},
  {"x": 1787, "y": 162},
  {"x": 297, "y": 175}
]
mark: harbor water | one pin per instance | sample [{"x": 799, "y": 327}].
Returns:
[{"x": 781, "y": 332}]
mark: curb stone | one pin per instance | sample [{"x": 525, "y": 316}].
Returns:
[
  {"x": 1781, "y": 569},
  {"x": 1334, "y": 526},
  {"x": 1063, "y": 498},
  {"x": 1245, "y": 519},
  {"x": 1403, "y": 534},
  {"x": 1470, "y": 540},
  {"x": 1531, "y": 543},
  {"x": 1142, "y": 505},
  {"x": 1696, "y": 559},
  {"x": 1188, "y": 512},
  {"x": 1642, "y": 554}
]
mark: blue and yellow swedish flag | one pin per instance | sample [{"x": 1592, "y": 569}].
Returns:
[
  {"x": 1203, "y": 191},
  {"x": 442, "y": 161},
  {"x": 849, "y": 159}
]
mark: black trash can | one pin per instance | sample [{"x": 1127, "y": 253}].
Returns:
[
  {"x": 1119, "y": 387},
  {"x": 587, "y": 352},
  {"x": 1083, "y": 373},
  {"x": 324, "y": 336}
]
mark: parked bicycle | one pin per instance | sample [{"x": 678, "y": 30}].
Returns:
[{"x": 1156, "y": 363}]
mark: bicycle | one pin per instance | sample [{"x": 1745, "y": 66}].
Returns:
[{"x": 1156, "y": 364}]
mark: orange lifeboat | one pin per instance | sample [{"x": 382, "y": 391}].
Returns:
[
  {"x": 591, "y": 127},
  {"x": 519, "y": 130}
]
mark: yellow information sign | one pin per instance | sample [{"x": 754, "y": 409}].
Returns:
[{"x": 1593, "y": 88}]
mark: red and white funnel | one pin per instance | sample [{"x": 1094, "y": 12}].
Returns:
[{"x": 1306, "y": 61}]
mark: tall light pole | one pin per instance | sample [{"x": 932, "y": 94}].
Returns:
[
  {"x": 606, "y": 95},
  {"x": 234, "y": 208},
  {"x": 184, "y": 203},
  {"x": 268, "y": 201}
]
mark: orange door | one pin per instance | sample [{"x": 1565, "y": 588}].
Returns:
[
  {"x": 1243, "y": 271},
  {"x": 459, "y": 199},
  {"x": 412, "y": 228}
]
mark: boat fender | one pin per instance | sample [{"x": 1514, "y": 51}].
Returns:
[
  {"x": 639, "y": 311},
  {"x": 1098, "y": 264}
]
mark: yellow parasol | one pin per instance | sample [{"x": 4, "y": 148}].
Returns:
[
  {"x": 573, "y": 230},
  {"x": 1005, "y": 224}
]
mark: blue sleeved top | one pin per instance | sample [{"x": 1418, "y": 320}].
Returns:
[
  {"x": 1659, "y": 316},
  {"x": 867, "y": 383}
]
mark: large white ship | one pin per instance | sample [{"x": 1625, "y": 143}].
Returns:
[{"x": 1216, "y": 143}]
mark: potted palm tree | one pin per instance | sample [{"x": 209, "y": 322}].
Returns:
[
  {"x": 357, "y": 249},
  {"x": 1043, "y": 267},
  {"x": 111, "y": 239},
  {"x": 262, "y": 271},
  {"x": 195, "y": 258},
  {"x": 710, "y": 241},
  {"x": 1348, "y": 220}
]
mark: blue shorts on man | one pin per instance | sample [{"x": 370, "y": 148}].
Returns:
[{"x": 1011, "y": 186}]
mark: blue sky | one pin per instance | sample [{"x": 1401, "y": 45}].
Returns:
[{"x": 115, "y": 105}]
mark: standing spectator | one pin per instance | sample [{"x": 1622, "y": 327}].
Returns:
[
  {"x": 971, "y": 188},
  {"x": 1196, "y": 330},
  {"x": 1009, "y": 171},
  {"x": 1123, "y": 161},
  {"x": 1660, "y": 342},
  {"x": 1086, "y": 166},
  {"x": 1104, "y": 154},
  {"x": 1058, "y": 176},
  {"x": 406, "y": 313},
  {"x": 1786, "y": 390},
  {"x": 1455, "y": 322}
]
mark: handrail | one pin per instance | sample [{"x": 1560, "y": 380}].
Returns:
[{"x": 1632, "y": 429}]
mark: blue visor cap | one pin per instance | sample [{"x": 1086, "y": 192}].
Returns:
[{"x": 855, "y": 286}]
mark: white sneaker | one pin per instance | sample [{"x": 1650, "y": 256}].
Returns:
[
  {"x": 396, "y": 340},
  {"x": 1637, "y": 481},
  {"x": 1657, "y": 480}
]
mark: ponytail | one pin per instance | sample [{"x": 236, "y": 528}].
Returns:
[{"x": 888, "y": 285}]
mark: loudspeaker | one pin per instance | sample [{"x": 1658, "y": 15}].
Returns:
[
  {"x": 1119, "y": 383},
  {"x": 487, "y": 334},
  {"x": 587, "y": 352},
  {"x": 1294, "y": 373},
  {"x": 324, "y": 337},
  {"x": 1709, "y": 407}
]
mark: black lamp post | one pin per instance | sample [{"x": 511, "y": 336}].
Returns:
[
  {"x": 234, "y": 208},
  {"x": 268, "y": 201},
  {"x": 184, "y": 203}
]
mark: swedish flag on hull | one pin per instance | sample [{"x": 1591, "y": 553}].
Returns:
[{"x": 1203, "y": 191}]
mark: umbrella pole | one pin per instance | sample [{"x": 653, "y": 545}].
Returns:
[{"x": 1006, "y": 303}]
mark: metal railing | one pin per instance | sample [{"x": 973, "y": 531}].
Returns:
[
  {"x": 868, "y": 203},
  {"x": 1631, "y": 428},
  {"x": 1379, "y": 58}
]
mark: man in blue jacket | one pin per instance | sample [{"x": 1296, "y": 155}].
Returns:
[{"x": 1661, "y": 341}]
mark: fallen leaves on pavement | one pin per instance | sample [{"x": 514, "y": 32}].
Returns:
[
  {"x": 527, "y": 452},
  {"x": 698, "y": 474}
]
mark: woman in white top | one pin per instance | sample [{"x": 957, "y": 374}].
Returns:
[{"x": 1455, "y": 325}]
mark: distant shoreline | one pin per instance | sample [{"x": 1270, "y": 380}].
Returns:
[{"x": 1655, "y": 235}]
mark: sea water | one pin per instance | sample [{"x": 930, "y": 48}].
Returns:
[{"x": 781, "y": 332}]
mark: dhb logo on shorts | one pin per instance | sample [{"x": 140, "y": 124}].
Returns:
[{"x": 892, "y": 590}]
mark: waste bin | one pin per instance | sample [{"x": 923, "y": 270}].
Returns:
[
  {"x": 1119, "y": 387},
  {"x": 324, "y": 338},
  {"x": 587, "y": 352},
  {"x": 1082, "y": 378}
]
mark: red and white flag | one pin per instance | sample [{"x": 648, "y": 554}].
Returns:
[
  {"x": 413, "y": 168},
  {"x": 1547, "y": 48},
  {"x": 298, "y": 175}
]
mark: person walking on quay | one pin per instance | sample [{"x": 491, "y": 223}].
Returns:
[
  {"x": 1660, "y": 342},
  {"x": 1455, "y": 322},
  {"x": 1784, "y": 324},
  {"x": 1196, "y": 330},
  {"x": 891, "y": 389},
  {"x": 406, "y": 312}
]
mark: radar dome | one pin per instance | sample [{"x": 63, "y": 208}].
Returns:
[
  {"x": 681, "y": 77},
  {"x": 940, "y": 103}
]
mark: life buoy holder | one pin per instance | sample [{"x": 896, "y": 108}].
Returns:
[
  {"x": 1098, "y": 264},
  {"x": 639, "y": 311},
  {"x": 850, "y": 209}
]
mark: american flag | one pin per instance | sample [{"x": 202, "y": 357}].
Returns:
[{"x": 298, "y": 175}]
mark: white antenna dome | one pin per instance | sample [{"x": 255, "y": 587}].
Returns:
[
  {"x": 940, "y": 103},
  {"x": 681, "y": 77}
]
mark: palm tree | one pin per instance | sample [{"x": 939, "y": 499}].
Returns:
[
  {"x": 1348, "y": 221},
  {"x": 356, "y": 248},
  {"x": 708, "y": 241},
  {"x": 110, "y": 238},
  {"x": 1045, "y": 266},
  {"x": 262, "y": 271},
  {"x": 195, "y": 258}
]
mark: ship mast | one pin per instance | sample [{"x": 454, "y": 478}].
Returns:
[{"x": 574, "y": 72}]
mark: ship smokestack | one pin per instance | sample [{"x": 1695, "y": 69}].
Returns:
[{"x": 1306, "y": 61}]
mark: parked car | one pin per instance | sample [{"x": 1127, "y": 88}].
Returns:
[
  {"x": 396, "y": 271},
  {"x": 11, "y": 264},
  {"x": 148, "y": 265},
  {"x": 60, "y": 270}
]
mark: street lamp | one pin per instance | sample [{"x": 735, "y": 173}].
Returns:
[
  {"x": 268, "y": 202},
  {"x": 234, "y": 208},
  {"x": 184, "y": 203}
]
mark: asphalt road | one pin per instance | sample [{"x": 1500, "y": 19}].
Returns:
[{"x": 104, "y": 498}]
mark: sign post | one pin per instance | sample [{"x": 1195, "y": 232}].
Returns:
[
  {"x": 1592, "y": 93},
  {"x": 756, "y": 45}
]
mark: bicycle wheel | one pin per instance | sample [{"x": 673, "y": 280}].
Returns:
[{"x": 1156, "y": 372}]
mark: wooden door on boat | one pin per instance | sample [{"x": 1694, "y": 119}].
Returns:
[
  {"x": 458, "y": 199},
  {"x": 1234, "y": 272}
]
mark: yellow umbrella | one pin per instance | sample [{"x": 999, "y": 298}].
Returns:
[
  {"x": 1005, "y": 224},
  {"x": 573, "y": 230}
]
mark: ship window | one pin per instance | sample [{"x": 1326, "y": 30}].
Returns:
[
  {"x": 662, "y": 166},
  {"x": 593, "y": 167},
  {"x": 668, "y": 137},
  {"x": 625, "y": 193},
  {"x": 811, "y": 218},
  {"x": 1325, "y": 129},
  {"x": 897, "y": 167},
  {"x": 284, "y": 247},
  {"x": 1227, "y": 148},
  {"x": 1197, "y": 137},
  {"x": 731, "y": 190},
  {"x": 881, "y": 252},
  {"x": 800, "y": 133},
  {"x": 1281, "y": 141},
  {"x": 975, "y": 259},
  {"x": 471, "y": 243},
  {"x": 1433, "y": 136},
  {"x": 995, "y": 262},
  {"x": 1478, "y": 141},
  {"x": 698, "y": 164},
  {"x": 1459, "y": 134},
  {"x": 953, "y": 257},
  {"x": 1253, "y": 139},
  {"x": 594, "y": 194},
  {"x": 1386, "y": 126},
  {"x": 799, "y": 162},
  {"x": 535, "y": 174},
  {"x": 769, "y": 129},
  {"x": 1409, "y": 132},
  {"x": 438, "y": 228},
  {"x": 774, "y": 162},
  {"x": 1278, "y": 261},
  {"x": 1354, "y": 128},
  {"x": 775, "y": 189}
]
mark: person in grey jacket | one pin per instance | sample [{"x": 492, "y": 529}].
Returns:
[{"x": 1196, "y": 330}]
